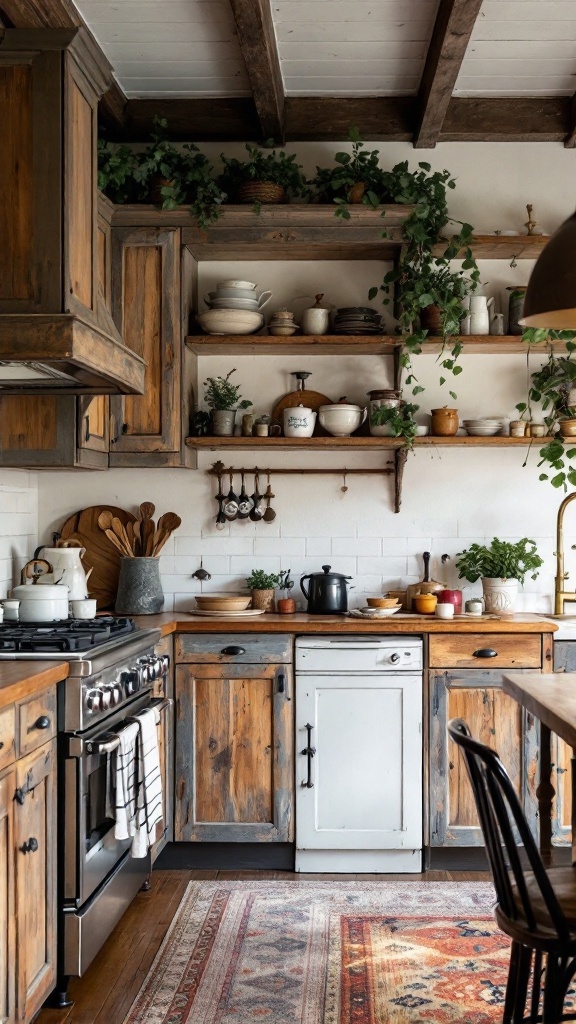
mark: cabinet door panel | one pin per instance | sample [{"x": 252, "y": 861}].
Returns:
[
  {"x": 34, "y": 819},
  {"x": 494, "y": 719},
  {"x": 7, "y": 918},
  {"x": 234, "y": 742}
]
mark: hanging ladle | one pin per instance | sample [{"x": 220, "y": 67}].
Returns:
[
  {"x": 231, "y": 506},
  {"x": 244, "y": 502},
  {"x": 269, "y": 515},
  {"x": 220, "y": 518},
  {"x": 256, "y": 512}
]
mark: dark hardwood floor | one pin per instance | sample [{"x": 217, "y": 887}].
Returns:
[{"x": 106, "y": 992}]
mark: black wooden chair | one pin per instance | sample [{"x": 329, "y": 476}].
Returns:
[{"x": 535, "y": 907}]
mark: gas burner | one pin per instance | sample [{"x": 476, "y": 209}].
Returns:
[{"x": 65, "y": 636}]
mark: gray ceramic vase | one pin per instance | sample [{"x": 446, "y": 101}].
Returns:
[{"x": 139, "y": 587}]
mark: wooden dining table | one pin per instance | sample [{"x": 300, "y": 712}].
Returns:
[{"x": 552, "y": 700}]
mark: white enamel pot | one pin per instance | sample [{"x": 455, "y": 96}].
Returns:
[
  {"x": 299, "y": 422},
  {"x": 47, "y": 603}
]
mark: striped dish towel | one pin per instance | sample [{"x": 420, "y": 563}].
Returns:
[
  {"x": 149, "y": 797},
  {"x": 126, "y": 779}
]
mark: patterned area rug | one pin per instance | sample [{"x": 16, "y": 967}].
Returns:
[{"x": 329, "y": 953}]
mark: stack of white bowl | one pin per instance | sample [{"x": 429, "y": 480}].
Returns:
[
  {"x": 235, "y": 308},
  {"x": 484, "y": 426}
]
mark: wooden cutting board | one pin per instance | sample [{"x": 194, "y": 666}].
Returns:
[
  {"x": 310, "y": 399},
  {"x": 100, "y": 555}
]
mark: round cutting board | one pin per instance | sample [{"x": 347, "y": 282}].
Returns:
[
  {"x": 101, "y": 555},
  {"x": 310, "y": 399}
]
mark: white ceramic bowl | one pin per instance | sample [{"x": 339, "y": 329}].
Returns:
[
  {"x": 232, "y": 293},
  {"x": 234, "y": 283},
  {"x": 422, "y": 431},
  {"x": 230, "y": 321},
  {"x": 341, "y": 420},
  {"x": 235, "y": 304}
]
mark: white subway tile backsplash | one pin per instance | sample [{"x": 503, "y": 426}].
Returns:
[
  {"x": 387, "y": 566},
  {"x": 18, "y": 524},
  {"x": 283, "y": 546},
  {"x": 320, "y": 547},
  {"x": 356, "y": 546},
  {"x": 240, "y": 566}
]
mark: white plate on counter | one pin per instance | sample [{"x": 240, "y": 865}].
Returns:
[
  {"x": 373, "y": 613},
  {"x": 226, "y": 615}
]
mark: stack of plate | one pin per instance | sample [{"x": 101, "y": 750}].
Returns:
[
  {"x": 357, "y": 320},
  {"x": 485, "y": 426},
  {"x": 282, "y": 323}
]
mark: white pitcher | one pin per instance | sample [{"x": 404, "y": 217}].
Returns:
[
  {"x": 480, "y": 307},
  {"x": 67, "y": 569}
]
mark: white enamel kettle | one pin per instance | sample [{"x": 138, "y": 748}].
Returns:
[{"x": 67, "y": 568}]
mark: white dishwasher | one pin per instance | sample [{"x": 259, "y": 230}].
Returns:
[{"x": 358, "y": 753}]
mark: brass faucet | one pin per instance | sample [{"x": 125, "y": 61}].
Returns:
[{"x": 560, "y": 595}]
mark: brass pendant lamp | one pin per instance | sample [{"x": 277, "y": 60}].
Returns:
[{"x": 550, "y": 300}]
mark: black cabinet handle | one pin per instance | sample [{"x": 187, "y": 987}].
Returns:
[
  {"x": 86, "y": 429},
  {"x": 283, "y": 685},
  {"x": 31, "y": 846},
  {"x": 233, "y": 650},
  {"x": 42, "y": 723},
  {"x": 485, "y": 652},
  {"x": 309, "y": 752}
]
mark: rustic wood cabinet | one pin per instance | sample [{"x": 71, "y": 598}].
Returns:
[
  {"x": 165, "y": 688},
  {"x": 234, "y": 739},
  {"x": 475, "y": 695},
  {"x": 27, "y": 858}
]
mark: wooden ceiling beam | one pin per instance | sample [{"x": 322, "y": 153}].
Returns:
[
  {"x": 258, "y": 44},
  {"x": 452, "y": 30},
  {"x": 508, "y": 119},
  {"x": 62, "y": 14},
  {"x": 193, "y": 120},
  {"x": 378, "y": 118}
]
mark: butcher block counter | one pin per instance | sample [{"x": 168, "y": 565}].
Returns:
[
  {"x": 183, "y": 622},
  {"x": 21, "y": 679}
]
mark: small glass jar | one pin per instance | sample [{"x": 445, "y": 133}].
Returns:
[
  {"x": 517, "y": 428},
  {"x": 474, "y": 606}
]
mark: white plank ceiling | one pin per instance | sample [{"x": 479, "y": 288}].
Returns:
[{"x": 334, "y": 47}]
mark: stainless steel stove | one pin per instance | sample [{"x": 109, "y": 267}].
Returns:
[{"x": 113, "y": 671}]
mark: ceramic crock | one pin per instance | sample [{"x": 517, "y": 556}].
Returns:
[
  {"x": 445, "y": 422},
  {"x": 299, "y": 422}
]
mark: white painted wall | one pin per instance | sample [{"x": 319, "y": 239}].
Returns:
[
  {"x": 18, "y": 523},
  {"x": 451, "y": 498}
]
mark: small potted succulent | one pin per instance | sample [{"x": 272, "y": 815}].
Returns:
[
  {"x": 286, "y": 605},
  {"x": 263, "y": 586},
  {"x": 501, "y": 567},
  {"x": 357, "y": 178},
  {"x": 223, "y": 399},
  {"x": 266, "y": 177}
]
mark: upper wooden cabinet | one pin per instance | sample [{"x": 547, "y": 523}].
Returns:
[{"x": 52, "y": 311}]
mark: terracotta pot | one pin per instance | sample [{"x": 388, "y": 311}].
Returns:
[
  {"x": 445, "y": 422},
  {"x": 286, "y": 606},
  {"x": 356, "y": 193},
  {"x": 431, "y": 320},
  {"x": 261, "y": 192},
  {"x": 263, "y": 599}
]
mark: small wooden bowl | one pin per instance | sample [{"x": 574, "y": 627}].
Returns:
[{"x": 382, "y": 602}]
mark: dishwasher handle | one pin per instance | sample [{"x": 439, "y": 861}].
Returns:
[{"x": 308, "y": 752}]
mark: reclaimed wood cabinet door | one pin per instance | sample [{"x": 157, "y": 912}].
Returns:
[
  {"x": 494, "y": 719},
  {"x": 35, "y": 888},
  {"x": 7, "y": 919},
  {"x": 234, "y": 753},
  {"x": 165, "y": 688}
]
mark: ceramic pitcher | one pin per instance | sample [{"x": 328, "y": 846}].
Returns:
[{"x": 480, "y": 308}]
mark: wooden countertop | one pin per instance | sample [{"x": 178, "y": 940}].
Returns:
[
  {"x": 301, "y": 622},
  {"x": 551, "y": 698},
  {"x": 20, "y": 679}
]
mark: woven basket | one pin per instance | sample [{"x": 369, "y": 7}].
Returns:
[{"x": 261, "y": 192}]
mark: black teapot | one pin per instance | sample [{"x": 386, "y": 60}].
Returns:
[{"x": 326, "y": 593}]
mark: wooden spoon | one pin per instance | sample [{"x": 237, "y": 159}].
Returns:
[
  {"x": 166, "y": 526},
  {"x": 147, "y": 510},
  {"x": 118, "y": 528},
  {"x": 114, "y": 540},
  {"x": 105, "y": 520}
]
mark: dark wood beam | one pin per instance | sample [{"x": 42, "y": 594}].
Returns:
[
  {"x": 193, "y": 120},
  {"x": 378, "y": 118},
  {"x": 452, "y": 30},
  {"x": 61, "y": 14},
  {"x": 570, "y": 140},
  {"x": 258, "y": 44},
  {"x": 510, "y": 119}
]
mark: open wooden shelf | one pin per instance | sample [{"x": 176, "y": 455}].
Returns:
[
  {"x": 356, "y": 443},
  {"x": 502, "y": 247},
  {"x": 338, "y": 344}
]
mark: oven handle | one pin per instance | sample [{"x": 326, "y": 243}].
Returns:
[
  {"x": 110, "y": 741},
  {"x": 159, "y": 704}
]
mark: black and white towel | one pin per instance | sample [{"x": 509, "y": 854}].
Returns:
[{"x": 138, "y": 803}]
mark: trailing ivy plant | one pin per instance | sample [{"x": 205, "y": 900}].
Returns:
[
  {"x": 400, "y": 420},
  {"x": 551, "y": 385},
  {"x": 357, "y": 177},
  {"x": 117, "y": 170}
]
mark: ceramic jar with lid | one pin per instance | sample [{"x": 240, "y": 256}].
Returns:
[{"x": 445, "y": 422}]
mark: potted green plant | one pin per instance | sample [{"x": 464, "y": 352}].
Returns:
[
  {"x": 266, "y": 177},
  {"x": 501, "y": 567},
  {"x": 263, "y": 586},
  {"x": 394, "y": 421},
  {"x": 223, "y": 399},
  {"x": 357, "y": 178},
  {"x": 179, "y": 177},
  {"x": 117, "y": 173}
]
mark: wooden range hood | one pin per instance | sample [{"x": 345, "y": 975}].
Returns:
[{"x": 57, "y": 335}]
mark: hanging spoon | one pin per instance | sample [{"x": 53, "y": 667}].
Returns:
[
  {"x": 269, "y": 515},
  {"x": 257, "y": 512},
  {"x": 220, "y": 518},
  {"x": 231, "y": 505},
  {"x": 244, "y": 502}
]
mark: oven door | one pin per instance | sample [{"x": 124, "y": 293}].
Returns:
[{"x": 91, "y": 851}]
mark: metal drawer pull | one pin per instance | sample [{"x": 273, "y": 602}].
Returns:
[
  {"x": 309, "y": 752},
  {"x": 31, "y": 846},
  {"x": 42, "y": 723},
  {"x": 485, "y": 652},
  {"x": 283, "y": 685},
  {"x": 233, "y": 650},
  {"x": 104, "y": 746}
]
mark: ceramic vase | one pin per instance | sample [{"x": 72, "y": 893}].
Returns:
[
  {"x": 223, "y": 421},
  {"x": 499, "y": 594},
  {"x": 139, "y": 587},
  {"x": 445, "y": 422}
]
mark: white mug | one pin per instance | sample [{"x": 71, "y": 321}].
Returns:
[
  {"x": 11, "y": 609},
  {"x": 85, "y": 609},
  {"x": 444, "y": 611},
  {"x": 299, "y": 422}
]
